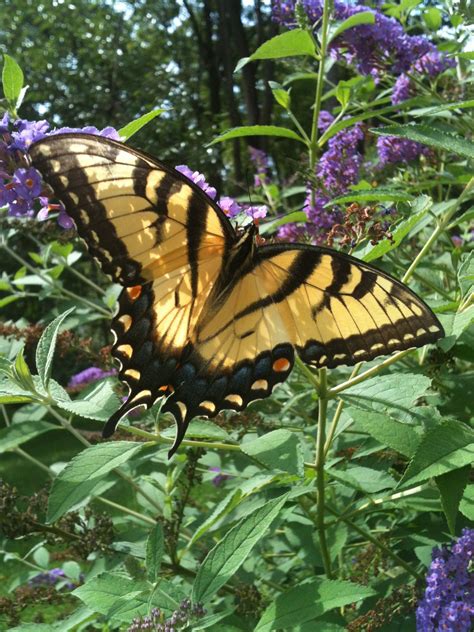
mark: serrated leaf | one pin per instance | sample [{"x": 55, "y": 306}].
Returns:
[
  {"x": 386, "y": 429},
  {"x": 230, "y": 553},
  {"x": 23, "y": 373},
  {"x": 448, "y": 446},
  {"x": 134, "y": 126},
  {"x": 46, "y": 347},
  {"x": 201, "y": 429},
  {"x": 257, "y": 130},
  {"x": 289, "y": 44},
  {"x": 16, "y": 434},
  {"x": 384, "y": 393},
  {"x": 451, "y": 487},
  {"x": 466, "y": 273},
  {"x": 100, "y": 404},
  {"x": 295, "y": 216},
  {"x": 364, "y": 17},
  {"x": 12, "y": 80},
  {"x": 84, "y": 472},
  {"x": 155, "y": 546},
  {"x": 365, "y": 479},
  {"x": 102, "y": 591},
  {"x": 279, "y": 450},
  {"x": 309, "y": 601},
  {"x": 431, "y": 136}
]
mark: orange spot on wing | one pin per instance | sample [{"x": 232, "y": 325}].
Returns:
[
  {"x": 281, "y": 365},
  {"x": 167, "y": 388},
  {"x": 134, "y": 292}
]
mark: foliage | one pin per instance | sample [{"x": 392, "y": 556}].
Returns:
[{"x": 319, "y": 507}]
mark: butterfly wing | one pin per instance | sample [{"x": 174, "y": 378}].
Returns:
[
  {"x": 329, "y": 308},
  {"x": 154, "y": 232}
]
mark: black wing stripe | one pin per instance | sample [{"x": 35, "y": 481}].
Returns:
[{"x": 196, "y": 226}]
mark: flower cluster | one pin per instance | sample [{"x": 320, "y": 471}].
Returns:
[
  {"x": 52, "y": 577},
  {"x": 448, "y": 603},
  {"x": 21, "y": 185},
  {"x": 337, "y": 170},
  {"x": 392, "y": 150},
  {"x": 372, "y": 48},
  {"x": 181, "y": 619},
  {"x": 85, "y": 377},
  {"x": 227, "y": 204},
  {"x": 260, "y": 161}
]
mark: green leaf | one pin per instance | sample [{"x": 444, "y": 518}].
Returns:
[
  {"x": 46, "y": 347},
  {"x": 281, "y": 96},
  {"x": 257, "y": 130},
  {"x": 384, "y": 393},
  {"x": 364, "y": 17},
  {"x": 102, "y": 591},
  {"x": 230, "y": 553},
  {"x": 466, "y": 273},
  {"x": 277, "y": 450},
  {"x": 433, "y": 18},
  {"x": 23, "y": 373},
  {"x": 399, "y": 233},
  {"x": 16, "y": 434},
  {"x": 134, "y": 126},
  {"x": 295, "y": 216},
  {"x": 451, "y": 487},
  {"x": 12, "y": 79},
  {"x": 386, "y": 429},
  {"x": 373, "y": 195},
  {"x": 365, "y": 479},
  {"x": 343, "y": 93},
  {"x": 466, "y": 507},
  {"x": 100, "y": 404},
  {"x": 309, "y": 601},
  {"x": 431, "y": 136},
  {"x": 155, "y": 546},
  {"x": 448, "y": 446},
  {"x": 84, "y": 472},
  {"x": 289, "y": 44},
  {"x": 436, "y": 109},
  {"x": 201, "y": 429}
]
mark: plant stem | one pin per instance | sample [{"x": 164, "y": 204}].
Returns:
[
  {"x": 319, "y": 85},
  {"x": 126, "y": 510},
  {"x": 368, "y": 536},
  {"x": 32, "y": 459},
  {"x": 319, "y": 463}
]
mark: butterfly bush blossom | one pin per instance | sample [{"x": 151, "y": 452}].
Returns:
[
  {"x": 87, "y": 376},
  {"x": 448, "y": 603},
  {"x": 337, "y": 170},
  {"x": 20, "y": 185},
  {"x": 181, "y": 619},
  {"x": 227, "y": 204}
]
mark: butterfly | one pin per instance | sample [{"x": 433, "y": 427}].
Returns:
[{"x": 208, "y": 317}]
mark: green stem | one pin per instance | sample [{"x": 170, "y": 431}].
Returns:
[
  {"x": 126, "y": 510},
  {"x": 319, "y": 463},
  {"x": 368, "y": 536},
  {"x": 49, "y": 281},
  {"x": 337, "y": 414},
  {"x": 313, "y": 151},
  {"x": 439, "y": 229},
  {"x": 32, "y": 459},
  {"x": 186, "y": 443}
]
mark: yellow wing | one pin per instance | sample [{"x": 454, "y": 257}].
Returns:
[{"x": 328, "y": 307}]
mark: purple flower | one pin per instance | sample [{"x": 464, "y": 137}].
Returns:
[
  {"x": 401, "y": 89},
  {"x": 339, "y": 165},
  {"x": 229, "y": 206},
  {"x": 197, "y": 178},
  {"x": 21, "y": 186},
  {"x": 391, "y": 150},
  {"x": 92, "y": 374},
  {"x": 371, "y": 48},
  {"x": 432, "y": 64},
  {"x": 457, "y": 241},
  {"x": 107, "y": 132},
  {"x": 324, "y": 120},
  {"x": 49, "y": 578},
  {"x": 220, "y": 478},
  {"x": 448, "y": 603},
  {"x": 260, "y": 161},
  {"x": 256, "y": 212}
]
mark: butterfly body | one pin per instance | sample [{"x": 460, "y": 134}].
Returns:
[{"x": 209, "y": 317}]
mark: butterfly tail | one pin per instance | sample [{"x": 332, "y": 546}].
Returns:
[{"x": 112, "y": 423}]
